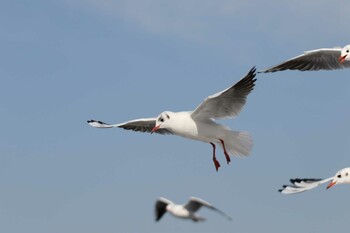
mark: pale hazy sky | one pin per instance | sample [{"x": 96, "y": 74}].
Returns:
[{"x": 67, "y": 61}]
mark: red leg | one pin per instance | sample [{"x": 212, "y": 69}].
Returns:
[
  {"x": 225, "y": 152},
  {"x": 216, "y": 162}
]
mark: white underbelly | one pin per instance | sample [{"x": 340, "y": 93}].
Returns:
[{"x": 205, "y": 132}]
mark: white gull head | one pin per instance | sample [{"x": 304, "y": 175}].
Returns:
[
  {"x": 341, "y": 177},
  {"x": 344, "y": 56}
]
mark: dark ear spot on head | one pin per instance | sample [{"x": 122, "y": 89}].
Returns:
[
  {"x": 347, "y": 174},
  {"x": 167, "y": 116}
]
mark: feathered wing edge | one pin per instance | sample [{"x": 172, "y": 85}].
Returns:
[
  {"x": 313, "y": 60},
  {"x": 196, "y": 203},
  {"x": 160, "y": 207},
  {"x": 227, "y": 103},
  {"x": 302, "y": 184},
  {"x": 140, "y": 125}
]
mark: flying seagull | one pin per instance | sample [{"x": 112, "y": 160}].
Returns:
[
  {"x": 302, "y": 185},
  {"x": 200, "y": 123},
  {"x": 186, "y": 211},
  {"x": 318, "y": 59}
]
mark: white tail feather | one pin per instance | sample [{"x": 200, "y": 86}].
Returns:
[{"x": 238, "y": 143}]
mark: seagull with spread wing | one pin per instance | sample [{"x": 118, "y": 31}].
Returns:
[
  {"x": 200, "y": 123},
  {"x": 186, "y": 211},
  {"x": 304, "y": 184},
  {"x": 318, "y": 59}
]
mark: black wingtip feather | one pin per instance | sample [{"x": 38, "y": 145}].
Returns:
[
  {"x": 100, "y": 122},
  {"x": 298, "y": 180},
  {"x": 249, "y": 80},
  {"x": 283, "y": 188}
]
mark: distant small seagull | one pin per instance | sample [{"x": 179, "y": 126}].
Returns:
[
  {"x": 200, "y": 124},
  {"x": 319, "y": 59},
  {"x": 302, "y": 185},
  {"x": 187, "y": 211}
]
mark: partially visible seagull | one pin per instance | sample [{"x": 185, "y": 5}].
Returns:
[
  {"x": 186, "y": 211},
  {"x": 302, "y": 185},
  {"x": 318, "y": 59},
  {"x": 200, "y": 124}
]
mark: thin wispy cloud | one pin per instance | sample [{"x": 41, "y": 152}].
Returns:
[
  {"x": 194, "y": 20},
  {"x": 213, "y": 21}
]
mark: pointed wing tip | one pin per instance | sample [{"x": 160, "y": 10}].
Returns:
[
  {"x": 253, "y": 70},
  {"x": 226, "y": 215},
  {"x": 158, "y": 217},
  {"x": 91, "y": 122},
  {"x": 160, "y": 207},
  {"x": 251, "y": 77},
  {"x": 94, "y": 121},
  {"x": 284, "y": 190},
  {"x": 98, "y": 124}
]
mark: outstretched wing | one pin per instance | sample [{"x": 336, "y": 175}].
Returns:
[
  {"x": 301, "y": 185},
  {"x": 319, "y": 59},
  {"x": 160, "y": 207},
  {"x": 195, "y": 203},
  {"x": 141, "y": 125},
  {"x": 227, "y": 103}
]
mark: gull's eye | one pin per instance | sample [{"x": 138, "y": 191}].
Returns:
[
  {"x": 161, "y": 119},
  {"x": 339, "y": 176},
  {"x": 347, "y": 50}
]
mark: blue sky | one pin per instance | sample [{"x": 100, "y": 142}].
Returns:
[{"x": 65, "y": 62}]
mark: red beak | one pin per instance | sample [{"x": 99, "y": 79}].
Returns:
[
  {"x": 155, "y": 128},
  {"x": 331, "y": 184},
  {"x": 342, "y": 58}
]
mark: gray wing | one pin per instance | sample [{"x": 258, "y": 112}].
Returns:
[
  {"x": 195, "y": 203},
  {"x": 320, "y": 59},
  {"x": 141, "y": 125},
  {"x": 302, "y": 184},
  {"x": 160, "y": 207},
  {"x": 229, "y": 102}
]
